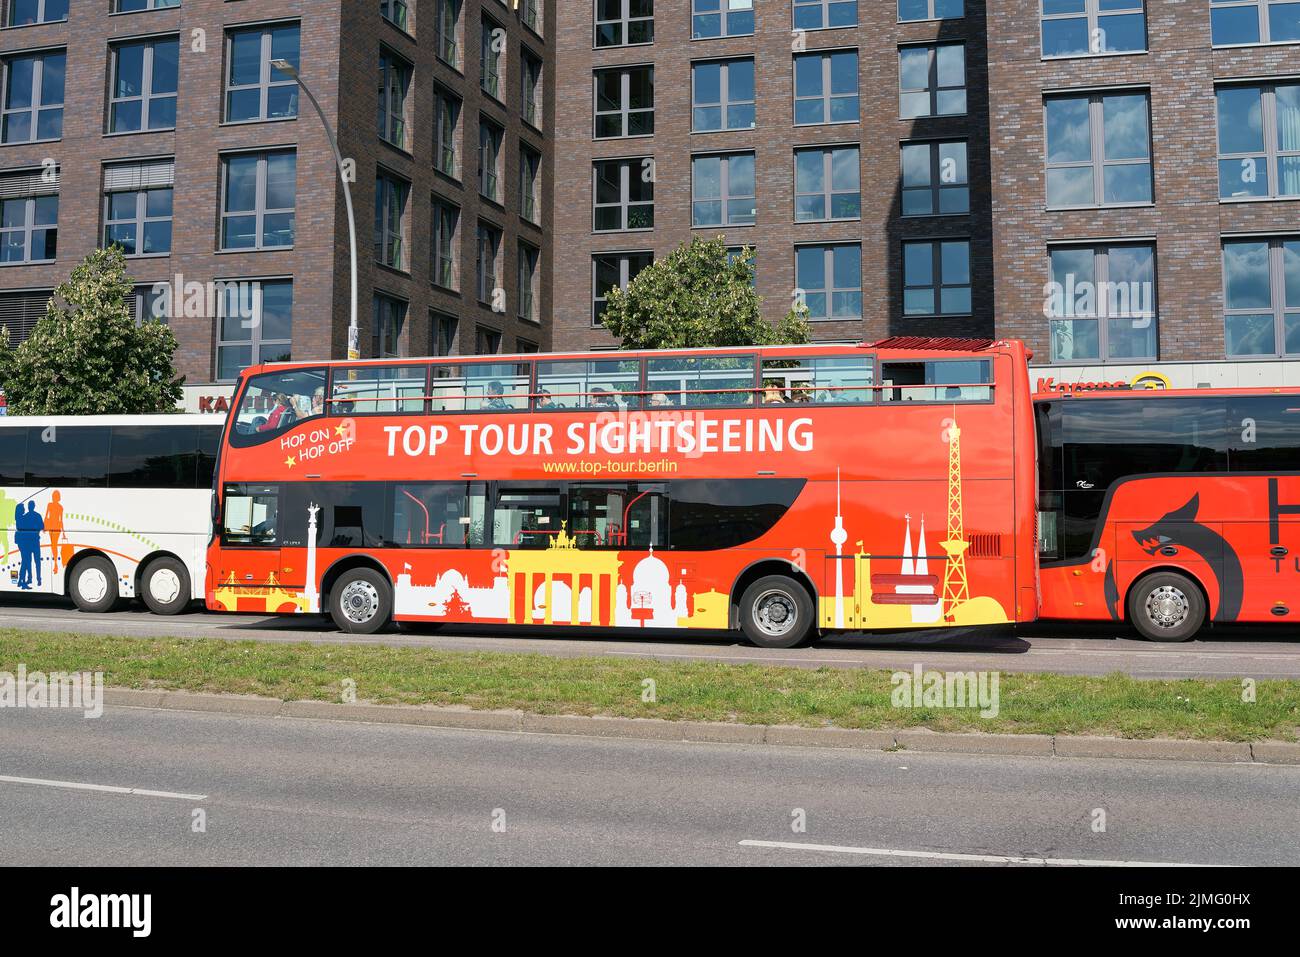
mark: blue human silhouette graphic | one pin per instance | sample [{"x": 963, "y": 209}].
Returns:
[{"x": 28, "y": 526}]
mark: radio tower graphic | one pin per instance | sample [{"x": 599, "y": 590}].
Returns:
[
  {"x": 838, "y": 537},
  {"x": 956, "y": 590}
]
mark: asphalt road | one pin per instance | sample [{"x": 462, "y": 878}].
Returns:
[
  {"x": 309, "y": 792},
  {"x": 1262, "y": 651}
]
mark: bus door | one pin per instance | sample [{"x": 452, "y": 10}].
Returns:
[
  {"x": 249, "y": 565},
  {"x": 1267, "y": 547}
]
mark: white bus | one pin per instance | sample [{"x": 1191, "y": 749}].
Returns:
[{"x": 104, "y": 508}]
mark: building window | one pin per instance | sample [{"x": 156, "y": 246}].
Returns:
[
  {"x": 825, "y": 14},
  {"x": 936, "y": 278},
  {"x": 33, "y": 97},
  {"x": 911, "y": 10},
  {"x": 29, "y": 217},
  {"x": 24, "y": 13},
  {"x": 134, "y": 6},
  {"x": 1098, "y": 150},
  {"x": 488, "y": 264},
  {"x": 613, "y": 270},
  {"x": 138, "y": 207},
  {"x": 258, "y": 197},
  {"x": 1259, "y": 141},
  {"x": 826, "y": 87},
  {"x": 932, "y": 80},
  {"x": 487, "y": 341},
  {"x": 1254, "y": 21},
  {"x": 625, "y": 102},
  {"x": 444, "y": 330},
  {"x": 530, "y": 171},
  {"x": 447, "y": 131},
  {"x": 446, "y": 222},
  {"x": 1101, "y": 302},
  {"x": 395, "y": 12},
  {"x": 827, "y": 184},
  {"x": 722, "y": 95},
  {"x": 624, "y": 192},
  {"x": 722, "y": 190},
  {"x": 255, "y": 90},
  {"x": 151, "y": 303},
  {"x": 447, "y": 30},
  {"x": 264, "y": 334},
  {"x": 19, "y": 313},
  {"x": 624, "y": 22},
  {"x": 491, "y": 49},
  {"x": 721, "y": 18},
  {"x": 830, "y": 280},
  {"x": 531, "y": 93},
  {"x": 489, "y": 160},
  {"x": 528, "y": 259},
  {"x": 747, "y": 255},
  {"x": 394, "y": 82},
  {"x": 530, "y": 14},
  {"x": 388, "y": 317},
  {"x": 1085, "y": 27},
  {"x": 145, "y": 77},
  {"x": 935, "y": 180},
  {"x": 1261, "y": 296},
  {"x": 391, "y": 195}
]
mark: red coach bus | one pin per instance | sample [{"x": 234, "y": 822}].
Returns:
[
  {"x": 1170, "y": 508},
  {"x": 788, "y": 492}
]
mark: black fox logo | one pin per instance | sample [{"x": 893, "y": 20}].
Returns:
[{"x": 1180, "y": 528}]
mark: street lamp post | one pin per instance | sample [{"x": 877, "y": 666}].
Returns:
[{"x": 354, "y": 336}]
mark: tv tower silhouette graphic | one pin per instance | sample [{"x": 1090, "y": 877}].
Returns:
[
  {"x": 838, "y": 537},
  {"x": 956, "y": 590}
]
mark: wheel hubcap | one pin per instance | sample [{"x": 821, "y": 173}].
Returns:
[
  {"x": 775, "y": 613},
  {"x": 93, "y": 585},
  {"x": 1167, "y": 607},
  {"x": 359, "y": 601},
  {"x": 165, "y": 586}
]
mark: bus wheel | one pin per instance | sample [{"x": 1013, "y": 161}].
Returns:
[
  {"x": 1166, "y": 606},
  {"x": 94, "y": 585},
  {"x": 776, "y": 612},
  {"x": 165, "y": 587},
  {"x": 361, "y": 601}
]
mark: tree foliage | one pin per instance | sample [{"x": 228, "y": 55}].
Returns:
[
  {"x": 87, "y": 356},
  {"x": 697, "y": 297}
]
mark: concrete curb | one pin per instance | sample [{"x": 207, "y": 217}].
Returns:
[{"x": 910, "y": 739}]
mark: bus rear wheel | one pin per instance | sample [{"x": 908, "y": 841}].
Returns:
[
  {"x": 1166, "y": 606},
  {"x": 361, "y": 602},
  {"x": 93, "y": 585},
  {"x": 776, "y": 612},
  {"x": 165, "y": 587}
]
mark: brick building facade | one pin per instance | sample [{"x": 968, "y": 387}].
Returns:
[{"x": 179, "y": 140}]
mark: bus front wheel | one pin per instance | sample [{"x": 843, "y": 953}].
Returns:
[
  {"x": 776, "y": 612},
  {"x": 1166, "y": 606},
  {"x": 93, "y": 586},
  {"x": 361, "y": 601}
]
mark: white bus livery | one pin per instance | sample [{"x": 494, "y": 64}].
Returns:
[{"x": 102, "y": 508}]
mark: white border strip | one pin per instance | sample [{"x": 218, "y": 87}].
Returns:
[
  {"x": 107, "y": 788},
  {"x": 969, "y": 858}
]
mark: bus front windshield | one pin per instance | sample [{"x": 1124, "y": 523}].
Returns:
[{"x": 274, "y": 402}]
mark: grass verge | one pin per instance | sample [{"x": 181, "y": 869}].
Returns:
[{"x": 698, "y": 691}]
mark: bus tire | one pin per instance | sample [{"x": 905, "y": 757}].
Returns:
[
  {"x": 93, "y": 585},
  {"x": 776, "y": 612},
  {"x": 165, "y": 587},
  {"x": 1166, "y": 606},
  {"x": 361, "y": 601}
]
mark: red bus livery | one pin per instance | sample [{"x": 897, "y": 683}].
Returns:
[
  {"x": 1170, "y": 508},
  {"x": 787, "y": 491}
]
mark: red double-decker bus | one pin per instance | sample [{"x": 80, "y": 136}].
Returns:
[
  {"x": 788, "y": 492},
  {"x": 1168, "y": 509}
]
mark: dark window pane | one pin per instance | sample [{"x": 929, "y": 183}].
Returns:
[
  {"x": 712, "y": 514},
  {"x": 153, "y": 457},
  {"x": 68, "y": 456}
]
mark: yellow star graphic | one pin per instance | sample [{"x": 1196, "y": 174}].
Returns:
[
  {"x": 290, "y": 461},
  {"x": 340, "y": 431}
]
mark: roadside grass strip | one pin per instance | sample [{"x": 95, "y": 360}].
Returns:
[{"x": 1112, "y": 705}]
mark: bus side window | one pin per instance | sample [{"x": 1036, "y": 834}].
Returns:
[{"x": 251, "y": 514}]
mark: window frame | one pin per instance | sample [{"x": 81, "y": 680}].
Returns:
[
  {"x": 447, "y": 141},
  {"x": 1097, "y": 161},
  {"x": 36, "y": 106},
  {"x": 1102, "y": 315},
  {"x": 935, "y": 188},
  {"x": 932, "y": 13},
  {"x": 40, "y": 15},
  {"x": 396, "y": 76},
  {"x": 392, "y": 240},
  {"x": 725, "y": 197},
  {"x": 830, "y": 289},
  {"x": 625, "y": 204},
  {"x": 491, "y": 138},
  {"x": 266, "y": 72},
  {"x": 625, "y": 110},
  {"x": 936, "y": 286},
  {"x": 724, "y": 20},
  {"x": 260, "y": 208},
  {"x": 140, "y": 220},
  {"x": 1277, "y": 281},
  {"x": 1263, "y": 22},
  {"x": 933, "y": 87},
  {"x": 443, "y": 244},
  {"x": 30, "y": 227},
  {"x": 625, "y": 274},
  {"x": 624, "y": 23},
  {"x": 826, "y": 97},
  {"x": 1272, "y": 153},
  {"x": 255, "y": 342},
  {"x": 1092, "y": 15},
  {"x": 146, "y": 97},
  {"x": 487, "y": 231},
  {"x": 725, "y": 102},
  {"x": 829, "y": 192}
]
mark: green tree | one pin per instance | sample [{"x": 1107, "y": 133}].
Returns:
[
  {"x": 87, "y": 356},
  {"x": 697, "y": 297}
]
